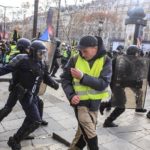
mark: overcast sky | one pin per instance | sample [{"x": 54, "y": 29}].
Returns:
[{"x": 18, "y": 2}]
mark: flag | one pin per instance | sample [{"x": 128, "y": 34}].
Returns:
[
  {"x": 45, "y": 36},
  {"x": 49, "y": 32}
]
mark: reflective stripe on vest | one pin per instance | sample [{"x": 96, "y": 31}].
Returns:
[
  {"x": 86, "y": 92},
  {"x": 74, "y": 52},
  {"x": 64, "y": 53},
  {"x": 13, "y": 50}
]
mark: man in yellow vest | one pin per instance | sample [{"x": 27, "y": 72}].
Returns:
[{"x": 85, "y": 80}]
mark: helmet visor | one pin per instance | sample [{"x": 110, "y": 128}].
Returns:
[{"x": 42, "y": 55}]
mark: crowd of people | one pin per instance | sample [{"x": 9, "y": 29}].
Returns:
[{"x": 88, "y": 71}]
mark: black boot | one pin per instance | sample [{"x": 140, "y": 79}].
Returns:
[
  {"x": 44, "y": 123},
  {"x": 25, "y": 130},
  {"x": 81, "y": 143},
  {"x": 41, "y": 106},
  {"x": 109, "y": 124},
  {"x": 148, "y": 115},
  {"x": 141, "y": 110},
  {"x": 93, "y": 143},
  {"x": 113, "y": 116},
  {"x": 14, "y": 144}
]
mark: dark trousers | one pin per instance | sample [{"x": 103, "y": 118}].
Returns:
[
  {"x": 55, "y": 67},
  {"x": 119, "y": 100},
  {"x": 11, "y": 102},
  {"x": 33, "y": 117}
]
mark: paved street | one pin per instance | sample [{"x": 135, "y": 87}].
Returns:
[{"x": 133, "y": 133}]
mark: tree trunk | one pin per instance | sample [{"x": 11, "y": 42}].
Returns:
[{"x": 36, "y": 4}]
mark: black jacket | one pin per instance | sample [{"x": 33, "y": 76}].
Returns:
[{"x": 25, "y": 71}]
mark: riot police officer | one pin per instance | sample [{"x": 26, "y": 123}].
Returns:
[
  {"x": 32, "y": 69},
  {"x": 55, "y": 64},
  {"x": 119, "y": 91},
  {"x": 23, "y": 46}
]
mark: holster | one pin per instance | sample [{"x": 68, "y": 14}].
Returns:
[
  {"x": 21, "y": 91},
  {"x": 11, "y": 85}
]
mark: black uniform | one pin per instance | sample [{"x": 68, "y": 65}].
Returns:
[
  {"x": 22, "y": 45},
  {"x": 28, "y": 76},
  {"x": 55, "y": 64},
  {"x": 119, "y": 93}
]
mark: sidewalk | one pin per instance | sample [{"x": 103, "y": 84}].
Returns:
[{"x": 133, "y": 133}]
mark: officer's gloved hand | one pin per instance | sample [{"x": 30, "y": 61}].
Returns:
[
  {"x": 103, "y": 106},
  {"x": 55, "y": 85}
]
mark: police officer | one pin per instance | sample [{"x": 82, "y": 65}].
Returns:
[
  {"x": 85, "y": 81},
  {"x": 119, "y": 94},
  {"x": 23, "y": 46},
  {"x": 55, "y": 64},
  {"x": 30, "y": 72}
]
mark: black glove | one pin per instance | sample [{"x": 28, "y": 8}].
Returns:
[
  {"x": 103, "y": 106},
  {"x": 51, "y": 82},
  {"x": 55, "y": 85}
]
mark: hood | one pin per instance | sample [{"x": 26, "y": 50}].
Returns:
[{"x": 100, "y": 53}]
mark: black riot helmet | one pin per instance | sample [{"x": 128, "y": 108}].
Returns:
[
  {"x": 23, "y": 45},
  {"x": 38, "y": 51},
  {"x": 132, "y": 50},
  {"x": 120, "y": 47}
]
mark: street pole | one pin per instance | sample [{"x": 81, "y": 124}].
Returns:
[
  {"x": 58, "y": 19},
  {"x": 36, "y": 4},
  {"x": 5, "y": 8},
  {"x": 4, "y": 22},
  {"x": 100, "y": 27}
]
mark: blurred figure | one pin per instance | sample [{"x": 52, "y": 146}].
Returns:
[
  {"x": 12, "y": 52},
  {"x": 66, "y": 53},
  {"x": 15, "y": 36},
  {"x": 118, "y": 89},
  {"x": 55, "y": 64}
]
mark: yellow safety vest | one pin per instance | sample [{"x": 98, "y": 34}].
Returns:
[
  {"x": 64, "y": 53},
  {"x": 74, "y": 52},
  {"x": 86, "y": 92},
  {"x": 12, "y": 52}
]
